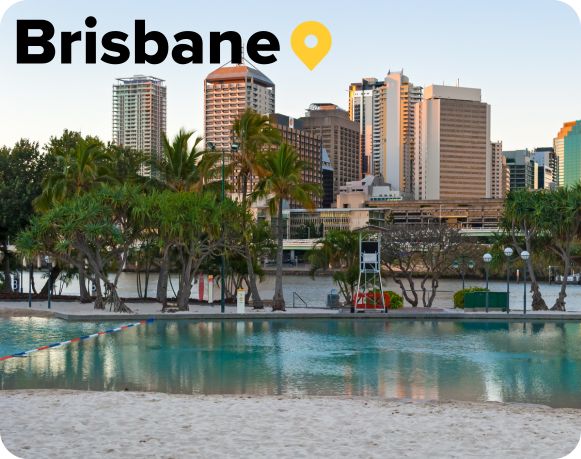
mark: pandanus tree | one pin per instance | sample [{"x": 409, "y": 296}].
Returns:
[
  {"x": 253, "y": 134},
  {"x": 82, "y": 165},
  {"x": 561, "y": 223},
  {"x": 521, "y": 225},
  {"x": 100, "y": 227},
  {"x": 184, "y": 167},
  {"x": 282, "y": 181},
  {"x": 195, "y": 226}
]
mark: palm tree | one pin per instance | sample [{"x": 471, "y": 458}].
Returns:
[
  {"x": 78, "y": 170},
  {"x": 183, "y": 169},
  {"x": 521, "y": 222},
  {"x": 253, "y": 134},
  {"x": 282, "y": 181}
]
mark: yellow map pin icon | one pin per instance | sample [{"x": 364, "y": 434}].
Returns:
[{"x": 311, "y": 56}]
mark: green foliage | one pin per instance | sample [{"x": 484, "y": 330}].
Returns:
[
  {"x": 22, "y": 169},
  {"x": 185, "y": 168},
  {"x": 459, "y": 295},
  {"x": 338, "y": 250},
  {"x": 396, "y": 300},
  {"x": 98, "y": 225}
]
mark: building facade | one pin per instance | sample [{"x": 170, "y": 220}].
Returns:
[
  {"x": 340, "y": 137},
  {"x": 548, "y": 168},
  {"x": 309, "y": 148},
  {"x": 500, "y": 182},
  {"x": 228, "y": 91},
  {"x": 567, "y": 146},
  {"x": 385, "y": 112},
  {"x": 362, "y": 99},
  {"x": 139, "y": 116},
  {"x": 523, "y": 170},
  {"x": 453, "y": 153},
  {"x": 327, "y": 176}
]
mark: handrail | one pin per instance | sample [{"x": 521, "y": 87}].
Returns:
[{"x": 296, "y": 295}]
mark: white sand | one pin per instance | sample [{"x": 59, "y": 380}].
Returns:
[{"x": 62, "y": 424}]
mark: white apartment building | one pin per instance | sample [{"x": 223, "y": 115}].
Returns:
[{"x": 139, "y": 116}]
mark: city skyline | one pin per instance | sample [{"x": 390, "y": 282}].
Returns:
[{"x": 482, "y": 59}]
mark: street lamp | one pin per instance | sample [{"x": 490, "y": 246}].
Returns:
[
  {"x": 525, "y": 256},
  {"x": 487, "y": 258},
  {"x": 508, "y": 253},
  {"x": 461, "y": 267}
]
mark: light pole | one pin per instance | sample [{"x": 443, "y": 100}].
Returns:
[
  {"x": 461, "y": 267},
  {"x": 487, "y": 258},
  {"x": 508, "y": 253},
  {"x": 525, "y": 256}
]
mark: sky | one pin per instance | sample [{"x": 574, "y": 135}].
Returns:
[{"x": 523, "y": 54}]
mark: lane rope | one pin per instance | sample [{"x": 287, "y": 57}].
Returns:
[{"x": 75, "y": 340}]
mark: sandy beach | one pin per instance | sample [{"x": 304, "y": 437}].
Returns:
[{"x": 63, "y": 424}]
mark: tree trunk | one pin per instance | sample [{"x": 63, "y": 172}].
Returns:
[
  {"x": 7, "y": 273},
  {"x": 53, "y": 276},
  {"x": 84, "y": 295},
  {"x": 538, "y": 303},
  {"x": 99, "y": 303},
  {"x": 278, "y": 299},
  {"x": 256, "y": 300},
  {"x": 183, "y": 296},
  {"x": 162, "y": 279},
  {"x": 185, "y": 287},
  {"x": 560, "y": 302},
  {"x": 115, "y": 303}
]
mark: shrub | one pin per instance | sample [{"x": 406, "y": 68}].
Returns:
[
  {"x": 459, "y": 295},
  {"x": 396, "y": 300}
]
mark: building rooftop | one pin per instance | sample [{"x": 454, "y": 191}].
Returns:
[{"x": 239, "y": 72}]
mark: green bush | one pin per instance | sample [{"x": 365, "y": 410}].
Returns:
[
  {"x": 396, "y": 300},
  {"x": 459, "y": 295}
]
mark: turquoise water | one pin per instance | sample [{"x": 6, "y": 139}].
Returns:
[{"x": 435, "y": 360}]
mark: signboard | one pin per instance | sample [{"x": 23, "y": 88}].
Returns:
[{"x": 240, "y": 301}]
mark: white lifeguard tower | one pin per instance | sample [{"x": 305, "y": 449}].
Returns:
[{"x": 369, "y": 295}]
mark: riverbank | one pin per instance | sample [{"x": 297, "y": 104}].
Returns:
[{"x": 63, "y": 424}]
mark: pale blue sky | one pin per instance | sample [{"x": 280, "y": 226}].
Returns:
[{"x": 524, "y": 54}]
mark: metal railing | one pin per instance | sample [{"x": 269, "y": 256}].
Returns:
[{"x": 295, "y": 296}]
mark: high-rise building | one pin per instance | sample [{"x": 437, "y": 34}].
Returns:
[
  {"x": 387, "y": 109},
  {"x": 309, "y": 148},
  {"x": 452, "y": 145},
  {"x": 500, "y": 181},
  {"x": 327, "y": 173},
  {"x": 567, "y": 146},
  {"x": 228, "y": 91},
  {"x": 547, "y": 167},
  {"x": 523, "y": 170},
  {"x": 139, "y": 116},
  {"x": 340, "y": 138},
  {"x": 362, "y": 100}
]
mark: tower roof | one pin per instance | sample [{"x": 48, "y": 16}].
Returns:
[{"x": 239, "y": 72}]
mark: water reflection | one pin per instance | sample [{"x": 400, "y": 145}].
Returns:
[{"x": 516, "y": 362}]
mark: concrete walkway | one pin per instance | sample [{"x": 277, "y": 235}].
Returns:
[{"x": 71, "y": 310}]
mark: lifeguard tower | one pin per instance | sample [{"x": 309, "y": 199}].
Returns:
[{"x": 369, "y": 295}]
